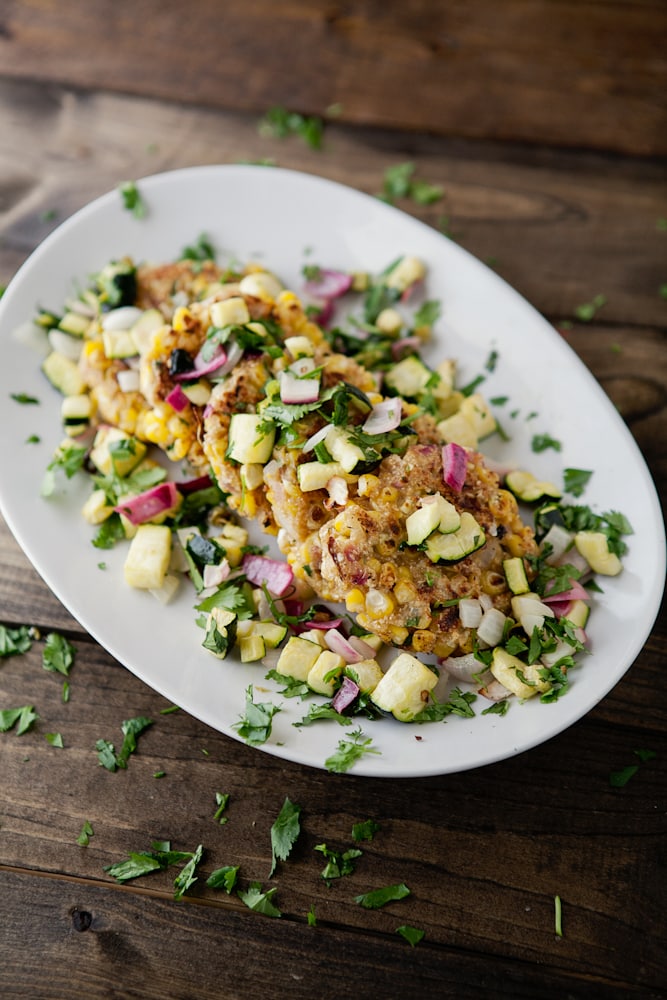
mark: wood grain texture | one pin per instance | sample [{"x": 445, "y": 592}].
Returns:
[
  {"x": 556, "y": 72},
  {"x": 483, "y": 853}
]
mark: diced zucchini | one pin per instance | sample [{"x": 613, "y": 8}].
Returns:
[
  {"x": 578, "y": 613},
  {"x": 119, "y": 344},
  {"x": 594, "y": 547},
  {"x": 148, "y": 557},
  {"x": 252, "y": 475},
  {"x": 230, "y": 312},
  {"x": 143, "y": 329},
  {"x": 373, "y": 640},
  {"x": 300, "y": 347},
  {"x": 457, "y": 544},
  {"x": 271, "y": 633},
  {"x": 198, "y": 393},
  {"x": 316, "y": 475},
  {"x": 435, "y": 512},
  {"x": 457, "y": 429},
  {"x": 389, "y": 321},
  {"x": 342, "y": 448},
  {"x": 515, "y": 574},
  {"x": 96, "y": 508},
  {"x": 252, "y": 648},
  {"x": 478, "y": 414},
  {"x": 122, "y": 463},
  {"x": 317, "y": 636},
  {"x": 408, "y": 377},
  {"x": 525, "y": 486},
  {"x": 324, "y": 672},
  {"x": 298, "y": 658},
  {"x": 366, "y": 673},
  {"x": 74, "y": 324},
  {"x": 520, "y": 678},
  {"x": 63, "y": 374},
  {"x": 404, "y": 689},
  {"x": 250, "y": 438},
  {"x": 76, "y": 413},
  {"x": 406, "y": 272}
]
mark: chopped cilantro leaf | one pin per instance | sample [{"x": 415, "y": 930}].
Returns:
[
  {"x": 541, "y": 442},
  {"x": 255, "y": 726},
  {"x": 645, "y": 755},
  {"x": 588, "y": 310},
  {"x": 284, "y": 833},
  {"x": 576, "y": 480},
  {"x": 260, "y": 901},
  {"x": 293, "y": 688},
  {"x": 279, "y": 123},
  {"x": 201, "y": 250},
  {"x": 86, "y": 833},
  {"x": 24, "y": 398},
  {"x": 619, "y": 779},
  {"x": 318, "y": 713},
  {"x": 458, "y": 703},
  {"x": 428, "y": 313},
  {"x": 109, "y": 532},
  {"x": 498, "y": 708},
  {"x": 413, "y": 935},
  {"x": 223, "y": 878},
  {"x": 22, "y": 718},
  {"x": 131, "y": 729},
  {"x": 350, "y": 750},
  {"x": 33, "y": 439},
  {"x": 159, "y": 858},
  {"x": 186, "y": 877},
  {"x": 380, "y": 897},
  {"x": 365, "y": 830},
  {"x": 132, "y": 199},
  {"x": 54, "y": 739},
  {"x": 558, "y": 916},
  {"x": 58, "y": 654},
  {"x": 221, "y": 800},
  {"x": 311, "y": 917},
  {"x": 339, "y": 863},
  {"x": 14, "y": 641}
]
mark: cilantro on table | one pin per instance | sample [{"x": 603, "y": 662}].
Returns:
[
  {"x": 279, "y": 123},
  {"x": 58, "y": 654},
  {"x": 132, "y": 199},
  {"x": 399, "y": 182},
  {"x": 86, "y": 833},
  {"x": 350, "y": 749},
  {"x": 619, "y": 779},
  {"x": 377, "y": 898},
  {"x": 260, "y": 901},
  {"x": 131, "y": 729},
  {"x": 24, "y": 398},
  {"x": 14, "y": 640},
  {"x": 54, "y": 740},
  {"x": 339, "y": 863},
  {"x": 311, "y": 917},
  {"x": 365, "y": 830},
  {"x": 284, "y": 833},
  {"x": 22, "y": 718},
  {"x": 588, "y": 310},
  {"x": 159, "y": 858},
  {"x": 255, "y": 726},
  {"x": 221, "y": 800},
  {"x": 413, "y": 935},
  {"x": 576, "y": 480},
  {"x": 223, "y": 878},
  {"x": 558, "y": 916}
]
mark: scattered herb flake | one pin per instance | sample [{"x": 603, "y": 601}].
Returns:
[
  {"x": 311, "y": 918},
  {"x": 33, "y": 439},
  {"x": 86, "y": 833},
  {"x": 284, "y": 833},
  {"x": 413, "y": 935},
  {"x": 201, "y": 250},
  {"x": 255, "y": 726},
  {"x": 279, "y": 123},
  {"x": 350, "y": 749},
  {"x": 619, "y": 779},
  {"x": 54, "y": 739},
  {"x": 132, "y": 199},
  {"x": 576, "y": 480},
  {"x": 588, "y": 310},
  {"x": 498, "y": 708},
  {"x": 58, "y": 654},
  {"x": 339, "y": 863},
  {"x": 170, "y": 710},
  {"x": 645, "y": 755},
  {"x": 65, "y": 694},
  {"x": 22, "y": 718},
  {"x": 24, "y": 398},
  {"x": 160, "y": 774},
  {"x": 541, "y": 442},
  {"x": 131, "y": 729},
  {"x": 260, "y": 901},
  {"x": 221, "y": 800},
  {"x": 377, "y": 898},
  {"x": 14, "y": 640},
  {"x": 558, "y": 916},
  {"x": 223, "y": 878},
  {"x": 186, "y": 877},
  {"x": 662, "y": 291},
  {"x": 365, "y": 830}
]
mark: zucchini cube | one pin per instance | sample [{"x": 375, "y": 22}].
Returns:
[
  {"x": 405, "y": 687},
  {"x": 148, "y": 557}
]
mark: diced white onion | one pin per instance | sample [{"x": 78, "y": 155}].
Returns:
[
  {"x": 121, "y": 319},
  {"x": 30, "y": 335},
  {"x": 491, "y": 627},
  {"x": 66, "y": 344},
  {"x": 463, "y": 668},
  {"x": 169, "y": 587},
  {"x": 128, "y": 380},
  {"x": 486, "y": 601},
  {"x": 560, "y": 539},
  {"x": 470, "y": 612}
]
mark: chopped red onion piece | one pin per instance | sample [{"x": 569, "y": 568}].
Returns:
[
  {"x": 203, "y": 367},
  {"x": 177, "y": 399},
  {"x": 325, "y": 625},
  {"x": 193, "y": 485},
  {"x": 384, "y": 417},
  {"x": 149, "y": 504},
  {"x": 454, "y": 465},
  {"x": 329, "y": 284},
  {"x": 575, "y": 593},
  {"x": 345, "y": 695},
  {"x": 278, "y": 576},
  {"x": 337, "y": 643},
  {"x": 366, "y": 650},
  {"x": 214, "y": 575}
]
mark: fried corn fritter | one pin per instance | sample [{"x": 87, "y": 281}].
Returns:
[{"x": 338, "y": 496}]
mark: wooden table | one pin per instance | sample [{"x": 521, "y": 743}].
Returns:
[{"x": 545, "y": 123}]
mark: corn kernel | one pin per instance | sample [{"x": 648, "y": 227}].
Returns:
[
  {"x": 367, "y": 484},
  {"x": 405, "y": 593},
  {"x": 355, "y": 601},
  {"x": 183, "y": 320},
  {"x": 423, "y": 641},
  {"x": 399, "y": 635},
  {"x": 493, "y": 582},
  {"x": 379, "y": 604}
]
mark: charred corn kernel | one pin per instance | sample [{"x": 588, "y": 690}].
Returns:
[
  {"x": 386, "y": 549},
  {"x": 367, "y": 485},
  {"x": 405, "y": 593},
  {"x": 515, "y": 545},
  {"x": 389, "y": 321},
  {"x": 404, "y": 573},
  {"x": 183, "y": 320},
  {"x": 502, "y": 503},
  {"x": 423, "y": 641},
  {"x": 493, "y": 582},
  {"x": 355, "y": 601},
  {"x": 399, "y": 635},
  {"x": 389, "y": 495},
  {"x": 379, "y": 604},
  {"x": 443, "y": 649}
]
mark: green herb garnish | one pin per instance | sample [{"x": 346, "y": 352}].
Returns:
[
  {"x": 411, "y": 934},
  {"x": 350, "y": 750},
  {"x": 576, "y": 480},
  {"x": 380, "y": 897},
  {"x": 132, "y": 199},
  {"x": 284, "y": 833},
  {"x": 58, "y": 654},
  {"x": 260, "y": 901},
  {"x": 255, "y": 726}
]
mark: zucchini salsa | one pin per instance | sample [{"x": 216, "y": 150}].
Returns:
[{"x": 414, "y": 577}]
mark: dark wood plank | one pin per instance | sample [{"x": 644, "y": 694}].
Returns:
[
  {"x": 560, "y": 228},
  {"x": 140, "y": 946},
  {"x": 559, "y": 72},
  {"x": 484, "y": 853}
]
